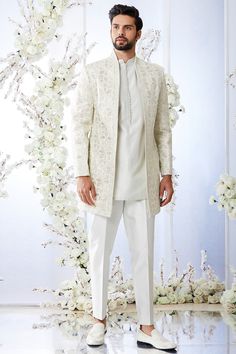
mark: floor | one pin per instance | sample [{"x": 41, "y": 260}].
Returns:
[{"x": 197, "y": 330}]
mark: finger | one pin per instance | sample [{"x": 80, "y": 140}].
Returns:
[
  {"x": 85, "y": 198},
  {"x": 82, "y": 197},
  {"x": 161, "y": 191},
  {"x": 91, "y": 199},
  {"x": 93, "y": 192},
  {"x": 166, "y": 200},
  {"x": 88, "y": 197}
]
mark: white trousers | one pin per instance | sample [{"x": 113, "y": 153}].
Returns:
[{"x": 139, "y": 229}]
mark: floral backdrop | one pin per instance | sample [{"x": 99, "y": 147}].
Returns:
[{"x": 45, "y": 145}]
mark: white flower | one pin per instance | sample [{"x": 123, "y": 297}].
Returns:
[
  {"x": 212, "y": 200},
  {"x": 88, "y": 306},
  {"x": 221, "y": 187},
  {"x": 49, "y": 136},
  {"x": 214, "y": 299},
  {"x": 112, "y": 305},
  {"x": 29, "y": 148},
  {"x": 163, "y": 300},
  {"x": 173, "y": 117},
  {"x": 232, "y": 214},
  {"x": 84, "y": 258},
  {"x": 75, "y": 252},
  {"x": 228, "y": 180},
  {"x": 173, "y": 298},
  {"x": 171, "y": 99},
  {"x": 60, "y": 196}
]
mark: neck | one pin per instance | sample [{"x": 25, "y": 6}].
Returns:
[{"x": 125, "y": 54}]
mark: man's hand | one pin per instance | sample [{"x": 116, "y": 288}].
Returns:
[
  {"x": 167, "y": 188},
  {"x": 86, "y": 189}
]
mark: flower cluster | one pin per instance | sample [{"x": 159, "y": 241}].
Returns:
[
  {"x": 184, "y": 289},
  {"x": 41, "y": 21},
  {"x": 70, "y": 296},
  {"x": 148, "y": 43},
  {"x": 47, "y": 137},
  {"x": 228, "y": 299},
  {"x": 173, "y": 100},
  {"x": 178, "y": 289},
  {"x": 40, "y": 27},
  {"x": 73, "y": 297},
  {"x": 226, "y": 194},
  {"x": 45, "y": 129}
]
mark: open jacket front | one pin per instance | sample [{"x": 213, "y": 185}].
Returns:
[{"x": 95, "y": 127}]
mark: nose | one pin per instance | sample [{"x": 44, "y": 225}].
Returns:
[{"x": 120, "y": 32}]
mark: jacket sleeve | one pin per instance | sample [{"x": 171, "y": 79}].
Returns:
[
  {"x": 162, "y": 130},
  {"x": 81, "y": 122}
]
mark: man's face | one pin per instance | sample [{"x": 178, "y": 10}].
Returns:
[{"x": 123, "y": 32}]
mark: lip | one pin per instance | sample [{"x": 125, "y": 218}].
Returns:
[{"x": 121, "y": 39}]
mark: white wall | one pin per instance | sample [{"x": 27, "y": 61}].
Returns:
[
  {"x": 197, "y": 64},
  {"x": 230, "y": 65},
  {"x": 195, "y": 58}
]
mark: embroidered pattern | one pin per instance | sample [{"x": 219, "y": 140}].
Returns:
[{"x": 95, "y": 125}]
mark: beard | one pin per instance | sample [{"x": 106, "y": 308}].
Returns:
[{"x": 127, "y": 45}]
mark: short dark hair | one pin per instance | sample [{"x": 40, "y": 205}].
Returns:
[{"x": 126, "y": 10}]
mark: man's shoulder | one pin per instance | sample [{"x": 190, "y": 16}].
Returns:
[
  {"x": 151, "y": 66},
  {"x": 98, "y": 64}
]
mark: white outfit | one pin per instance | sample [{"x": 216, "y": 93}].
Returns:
[
  {"x": 129, "y": 200},
  {"x": 140, "y": 232},
  {"x": 122, "y": 139},
  {"x": 95, "y": 129},
  {"x": 130, "y": 178}
]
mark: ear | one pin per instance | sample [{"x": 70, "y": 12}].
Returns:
[{"x": 138, "y": 35}]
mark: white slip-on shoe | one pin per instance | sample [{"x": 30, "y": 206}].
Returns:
[
  {"x": 96, "y": 334},
  {"x": 155, "y": 340}
]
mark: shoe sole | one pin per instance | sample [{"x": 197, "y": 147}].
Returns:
[
  {"x": 148, "y": 345},
  {"x": 144, "y": 345},
  {"x": 94, "y": 345}
]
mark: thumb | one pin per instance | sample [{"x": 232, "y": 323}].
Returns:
[{"x": 161, "y": 191}]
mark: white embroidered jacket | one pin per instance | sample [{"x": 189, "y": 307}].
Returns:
[{"x": 95, "y": 126}]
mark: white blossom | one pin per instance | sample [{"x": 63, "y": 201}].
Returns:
[{"x": 226, "y": 191}]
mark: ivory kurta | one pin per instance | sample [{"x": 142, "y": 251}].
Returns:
[
  {"x": 130, "y": 176},
  {"x": 95, "y": 129}
]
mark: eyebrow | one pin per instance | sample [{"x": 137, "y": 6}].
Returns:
[{"x": 115, "y": 24}]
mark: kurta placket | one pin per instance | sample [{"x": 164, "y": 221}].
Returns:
[{"x": 130, "y": 178}]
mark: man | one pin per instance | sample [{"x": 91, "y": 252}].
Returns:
[{"x": 122, "y": 144}]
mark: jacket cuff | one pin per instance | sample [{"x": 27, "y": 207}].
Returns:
[
  {"x": 81, "y": 172},
  {"x": 166, "y": 171}
]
